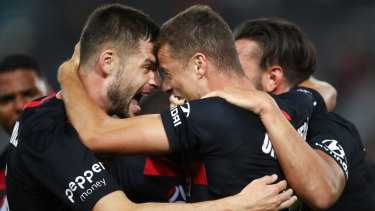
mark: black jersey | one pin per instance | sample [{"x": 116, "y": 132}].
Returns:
[
  {"x": 48, "y": 168},
  {"x": 339, "y": 139},
  {"x": 229, "y": 145},
  {"x": 151, "y": 178}
]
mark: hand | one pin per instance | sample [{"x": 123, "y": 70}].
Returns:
[
  {"x": 326, "y": 90},
  {"x": 71, "y": 65},
  {"x": 261, "y": 194},
  {"x": 174, "y": 101},
  {"x": 255, "y": 101}
]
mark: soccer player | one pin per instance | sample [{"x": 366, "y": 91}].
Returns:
[
  {"x": 274, "y": 52},
  {"x": 48, "y": 168},
  {"x": 197, "y": 55},
  {"x": 21, "y": 80}
]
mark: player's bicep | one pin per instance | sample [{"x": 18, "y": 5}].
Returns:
[
  {"x": 139, "y": 135},
  {"x": 336, "y": 169}
]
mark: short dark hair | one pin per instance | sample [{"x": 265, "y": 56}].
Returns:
[
  {"x": 282, "y": 43},
  {"x": 20, "y": 61},
  {"x": 118, "y": 26},
  {"x": 200, "y": 29}
]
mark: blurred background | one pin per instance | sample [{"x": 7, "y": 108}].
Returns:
[{"x": 343, "y": 32}]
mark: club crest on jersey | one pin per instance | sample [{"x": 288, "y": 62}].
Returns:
[
  {"x": 177, "y": 195},
  {"x": 175, "y": 116},
  {"x": 336, "y": 150}
]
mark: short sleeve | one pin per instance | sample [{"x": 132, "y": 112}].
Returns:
[
  {"x": 329, "y": 136},
  {"x": 318, "y": 101},
  {"x": 52, "y": 153},
  {"x": 205, "y": 126}
]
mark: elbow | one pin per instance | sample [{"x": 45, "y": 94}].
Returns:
[
  {"x": 324, "y": 199},
  {"x": 91, "y": 141}
]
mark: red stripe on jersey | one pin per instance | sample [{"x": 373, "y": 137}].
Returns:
[
  {"x": 162, "y": 166},
  {"x": 197, "y": 173},
  {"x": 2, "y": 179},
  {"x": 171, "y": 191},
  {"x": 107, "y": 165},
  {"x": 286, "y": 115},
  {"x": 2, "y": 187},
  {"x": 37, "y": 103}
]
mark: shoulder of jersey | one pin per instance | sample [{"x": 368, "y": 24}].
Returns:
[{"x": 49, "y": 104}]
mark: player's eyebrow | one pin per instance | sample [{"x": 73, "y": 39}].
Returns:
[{"x": 152, "y": 62}]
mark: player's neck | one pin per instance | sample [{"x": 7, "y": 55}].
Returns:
[
  {"x": 282, "y": 88},
  {"x": 223, "y": 82},
  {"x": 94, "y": 85}
]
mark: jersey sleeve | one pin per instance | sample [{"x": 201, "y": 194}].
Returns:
[
  {"x": 205, "y": 126},
  {"x": 52, "y": 153},
  {"x": 318, "y": 101},
  {"x": 332, "y": 139},
  {"x": 296, "y": 106}
]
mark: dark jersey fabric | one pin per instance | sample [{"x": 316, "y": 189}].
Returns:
[
  {"x": 48, "y": 168},
  {"x": 151, "y": 179},
  {"x": 229, "y": 144},
  {"x": 339, "y": 139}
]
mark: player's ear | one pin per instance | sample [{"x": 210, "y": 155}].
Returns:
[
  {"x": 199, "y": 64},
  {"x": 108, "y": 61},
  {"x": 273, "y": 78}
]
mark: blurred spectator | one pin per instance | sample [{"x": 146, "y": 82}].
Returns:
[{"x": 21, "y": 81}]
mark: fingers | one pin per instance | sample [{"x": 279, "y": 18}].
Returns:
[
  {"x": 285, "y": 195},
  {"x": 287, "y": 203},
  {"x": 59, "y": 95},
  {"x": 216, "y": 93},
  {"x": 266, "y": 180},
  {"x": 281, "y": 185},
  {"x": 76, "y": 55}
]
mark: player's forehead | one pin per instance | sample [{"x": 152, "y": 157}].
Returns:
[
  {"x": 165, "y": 57},
  {"x": 17, "y": 81},
  {"x": 18, "y": 77},
  {"x": 146, "y": 51}
]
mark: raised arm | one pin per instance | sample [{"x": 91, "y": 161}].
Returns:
[
  {"x": 314, "y": 176},
  {"x": 260, "y": 194},
  {"x": 101, "y": 133},
  {"x": 326, "y": 90}
]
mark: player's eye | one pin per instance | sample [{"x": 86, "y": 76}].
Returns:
[{"x": 6, "y": 99}]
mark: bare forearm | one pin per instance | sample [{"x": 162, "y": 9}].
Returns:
[
  {"x": 118, "y": 201},
  {"x": 306, "y": 171},
  {"x": 218, "y": 205},
  {"x": 105, "y": 135}
]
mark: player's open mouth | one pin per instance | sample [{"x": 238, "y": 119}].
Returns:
[{"x": 135, "y": 107}]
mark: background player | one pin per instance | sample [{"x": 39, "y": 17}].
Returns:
[
  {"x": 265, "y": 47},
  {"x": 21, "y": 80}
]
